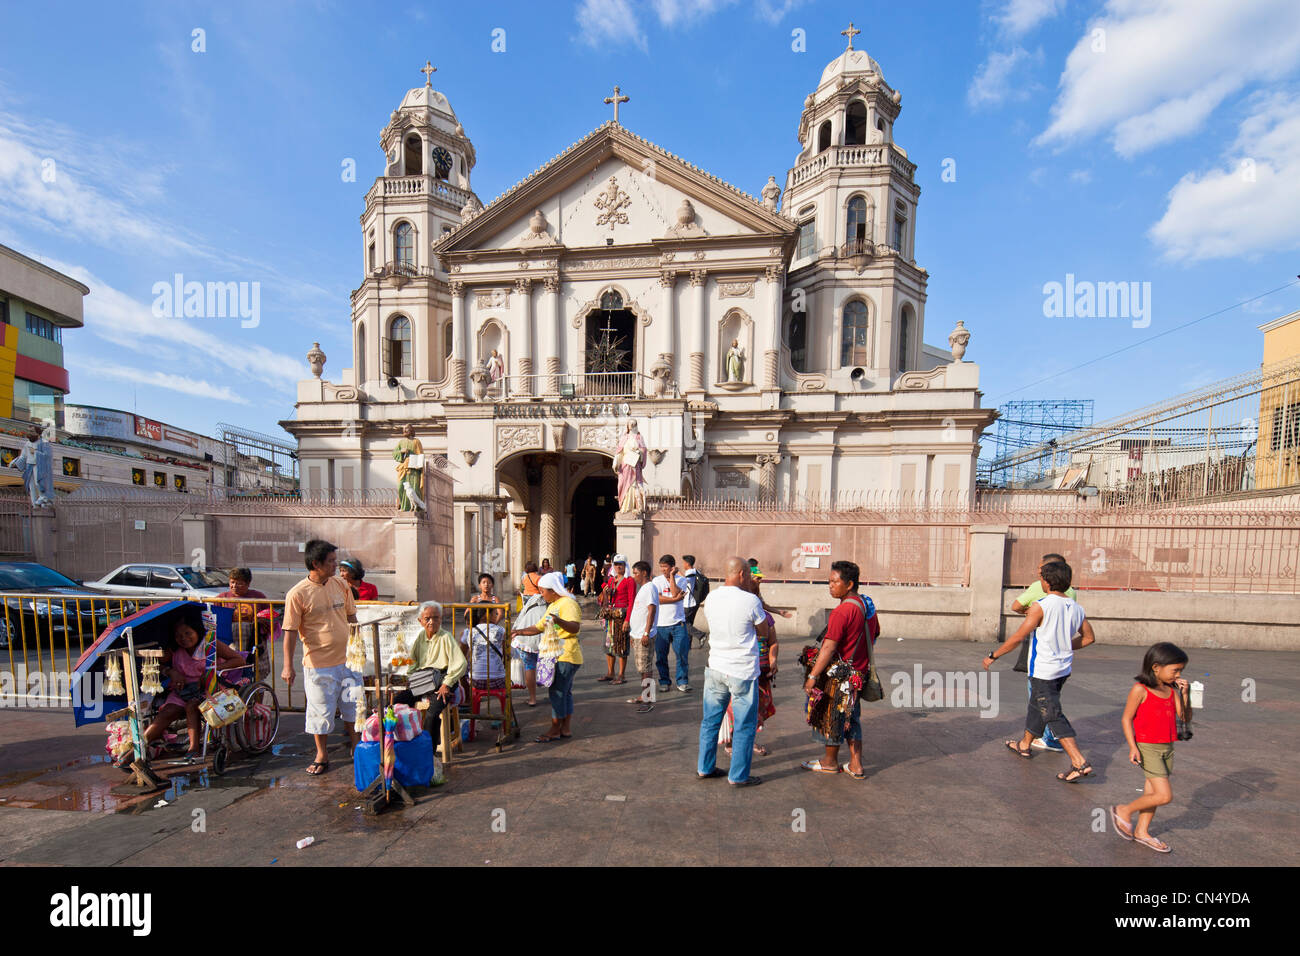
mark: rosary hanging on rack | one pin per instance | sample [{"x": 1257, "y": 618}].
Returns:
[
  {"x": 113, "y": 686},
  {"x": 150, "y": 677}
]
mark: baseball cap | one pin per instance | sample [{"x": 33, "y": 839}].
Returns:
[{"x": 619, "y": 559}]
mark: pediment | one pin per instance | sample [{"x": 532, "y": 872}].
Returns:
[{"x": 614, "y": 185}]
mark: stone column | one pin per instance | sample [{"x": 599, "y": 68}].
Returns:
[
  {"x": 767, "y": 476},
  {"x": 988, "y": 546},
  {"x": 700, "y": 352},
  {"x": 551, "y": 335},
  {"x": 668, "y": 335},
  {"x": 771, "y": 357},
  {"x": 459, "y": 378},
  {"x": 518, "y": 548},
  {"x": 524, "y": 334},
  {"x": 548, "y": 539}
]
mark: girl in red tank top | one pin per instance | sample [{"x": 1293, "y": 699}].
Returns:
[{"x": 1150, "y": 714}]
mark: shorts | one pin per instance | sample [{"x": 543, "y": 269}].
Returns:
[
  {"x": 851, "y": 732},
  {"x": 530, "y": 660},
  {"x": 329, "y": 688},
  {"x": 1157, "y": 759},
  {"x": 644, "y": 655}
]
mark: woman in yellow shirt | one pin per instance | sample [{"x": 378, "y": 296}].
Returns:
[{"x": 559, "y": 630}]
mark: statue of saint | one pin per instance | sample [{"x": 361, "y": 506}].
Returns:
[
  {"x": 35, "y": 463},
  {"x": 496, "y": 366},
  {"x": 735, "y": 362},
  {"x": 409, "y": 455},
  {"x": 629, "y": 464}
]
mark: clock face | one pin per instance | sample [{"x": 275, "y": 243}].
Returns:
[{"x": 441, "y": 160}]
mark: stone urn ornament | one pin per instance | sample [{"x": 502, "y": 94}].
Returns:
[
  {"x": 480, "y": 376},
  {"x": 316, "y": 359},
  {"x": 958, "y": 339},
  {"x": 537, "y": 224}
]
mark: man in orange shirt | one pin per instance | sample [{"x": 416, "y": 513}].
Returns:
[{"x": 317, "y": 611}]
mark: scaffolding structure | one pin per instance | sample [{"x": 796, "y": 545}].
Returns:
[
  {"x": 1030, "y": 424},
  {"x": 1241, "y": 434},
  {"x": 256, "y": 463}
]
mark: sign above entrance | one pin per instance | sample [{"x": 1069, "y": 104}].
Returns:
[{"x": 564, "y": 410}]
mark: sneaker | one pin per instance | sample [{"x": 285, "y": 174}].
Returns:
[
  {"x": 684, "y": 688},
  {"x": 665, "y": 686},
  {"x": 751, "y": 781},
  {"x": 1040, "y": 744}
]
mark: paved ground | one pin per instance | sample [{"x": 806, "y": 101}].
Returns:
[{"x": 940, "y": 789}]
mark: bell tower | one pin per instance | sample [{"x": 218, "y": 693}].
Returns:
[
  {"x": 401, "y": 313},
  {"x": 853, "y": 193}
]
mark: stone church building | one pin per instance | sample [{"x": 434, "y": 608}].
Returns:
[{"x": 765, "y": 346}]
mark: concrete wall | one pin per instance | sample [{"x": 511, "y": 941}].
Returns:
[{"x": 1137, "y": 618}]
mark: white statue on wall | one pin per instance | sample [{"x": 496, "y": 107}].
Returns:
[
  {"x": 629, "y": 464},
  {"x": 735, "y": 362}
]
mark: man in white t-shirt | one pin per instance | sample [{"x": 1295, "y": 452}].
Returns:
[
  {"x": 641, "y": 632},
  {"x": 674, "y": 598},
  {"x": 731, "y": 675}
]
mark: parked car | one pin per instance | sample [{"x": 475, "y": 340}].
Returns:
[
  {"x": 168, "y": 581},
  {"x": 71, "y": 610}
]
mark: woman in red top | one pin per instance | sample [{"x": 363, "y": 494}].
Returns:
[
  {"x": 1150, "y": 724},
  {"x": 352, "y": 572},
  {"x": 620, "y": 593}
]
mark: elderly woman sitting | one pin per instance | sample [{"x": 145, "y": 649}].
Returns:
[{"x": 438, "y": 666}]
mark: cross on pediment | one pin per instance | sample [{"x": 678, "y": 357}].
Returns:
[
  {"x": 851, "y": 32},
  {"x": 428, "y": 70},
  {"x": 616, "y": 99}
]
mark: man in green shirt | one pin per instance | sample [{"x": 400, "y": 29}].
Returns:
[{"x": 1021, "y": 606}]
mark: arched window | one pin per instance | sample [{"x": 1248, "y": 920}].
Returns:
[
  {"x": 798, "y": 341},
  {"x": 446, "y": 341},
  {"x": 360, "y": 361},
  {"x": 404, "y": 241},
  {"x": 414, "y": 155},
  {"x": 853, "y": 335},
  {"x": 855, "y": 124},
  {"x": 824, "y": 136},
  {"x": 611, "y": 301},
  {"x": 904, "y": 337},
  {"x": 399, "y": 347},
  {"x": 900, "y": 228},
  {"x": 856, "y": 230}
]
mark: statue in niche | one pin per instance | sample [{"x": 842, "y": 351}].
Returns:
[
  {"x": 735, "y": 362},
  {"x": 496, "y": 366}
]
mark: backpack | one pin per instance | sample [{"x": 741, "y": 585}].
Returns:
[{"x": 699, "y": 587}]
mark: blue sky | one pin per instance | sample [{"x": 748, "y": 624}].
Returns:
[{"x": 1149, "y": 141}]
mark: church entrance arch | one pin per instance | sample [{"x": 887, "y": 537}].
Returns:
[{"x": 595, "y": 501}]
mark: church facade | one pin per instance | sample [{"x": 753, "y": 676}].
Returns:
[{"x": 765, "y": 346}]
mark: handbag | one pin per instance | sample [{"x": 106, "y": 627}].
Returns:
[
  {"x": 871, "y": 690},
  {"x": 1183, "y": 724},
  {"x": 423, "y": 681},
  {"x": 222, "y": 708},
  {"x": 545, "y": 670},
  {"x": 516, "y": 668}
]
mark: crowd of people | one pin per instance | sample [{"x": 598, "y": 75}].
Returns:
[{"x": 651, "y": 617}]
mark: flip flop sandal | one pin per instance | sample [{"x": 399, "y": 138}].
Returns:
[
  {"x": 856, "y": 776},
  {"x": 546, "y": 739},
  {"x": 1015, "y": 749},
  {"x": 601, "y": 680},
  {"x": 620, "y": 680},
  {"x": 1075, "y": 774},
  {"x": 323, "y": 765},
  {"x": 1121, "y": 828},
  {"x": 816, "y": 767},
  {"x": 1158, "y": 845}
]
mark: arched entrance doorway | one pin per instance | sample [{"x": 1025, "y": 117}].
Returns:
[{"x": 595, "y": 502}]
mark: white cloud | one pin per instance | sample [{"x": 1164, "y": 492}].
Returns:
[
  {"x": 1249, "y": 205},
  {"x": 1161, "y": 67},
  {"x": 673, "y": 12},
  {"x": 610, "y": 21},
  {"x": 167, "y": 380},
  {"x": 1081, "y": 176},
  {"x": 1018, "y": 17},
  {"x": 118, "y": 318},
  {"x": 994, "y": 82},
  {"x": 774, "y": 11}
]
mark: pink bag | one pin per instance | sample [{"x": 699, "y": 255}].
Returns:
[{"x": 410, "y": 722}]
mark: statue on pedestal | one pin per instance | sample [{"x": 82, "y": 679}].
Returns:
[
  {"x": 409, "y": 455},
  {"x": 735, "y": 362},
  {"x": 35, "y": 463},
  {"x": 629, "y": 465}
]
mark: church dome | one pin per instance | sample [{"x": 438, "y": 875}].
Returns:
[
  {"x": 426, "y": 97},
  {"x": 849, "y": 63}
]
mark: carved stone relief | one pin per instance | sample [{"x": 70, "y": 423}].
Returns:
[{"x": 512, "y": 438}]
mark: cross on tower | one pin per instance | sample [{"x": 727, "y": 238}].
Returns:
[
  {"x": 850, "y": 33},
  {"x": 428, "y": 70},
  {"x": 616, "y": 99}
]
